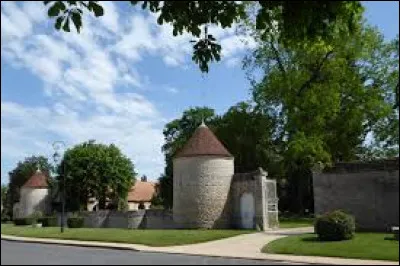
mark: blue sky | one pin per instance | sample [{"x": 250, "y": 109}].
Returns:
[{"x": 117, "y": 82}]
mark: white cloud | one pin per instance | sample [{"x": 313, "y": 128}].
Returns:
[
  {"x": 14, "y": 22},
  {"x": 36, "y": 11},
  {"x": 170, "y": 61},
  {"x": 83, "y": 75},
  {"x": 137, "y": 40},
  {"x": 233, "y": 62},
  {"x": 235, "y": 44},
  {"x": 111, "y": 17},
  {"x": 31, "y": 130},
  {"x": 172, "y": 90}
]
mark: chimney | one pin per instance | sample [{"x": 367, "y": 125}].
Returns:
[{"x": 144, "y": 178}]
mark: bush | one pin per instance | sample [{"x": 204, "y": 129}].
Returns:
[
  {"x": 36, "y": 217},
  {"x": 335, "y": 226},
  {"x": 5, "y": 218},
  {"x": 75, "y": 222},
  {"x": 23, "y": 221},
  {"x": 49, "y": 221}
]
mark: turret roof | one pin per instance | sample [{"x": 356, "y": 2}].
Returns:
[
  {"x": 202, "y": 143},
  {"x": 37, "y": 180}
]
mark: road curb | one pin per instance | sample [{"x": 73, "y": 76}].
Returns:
[{"x": 60, "y": 242}]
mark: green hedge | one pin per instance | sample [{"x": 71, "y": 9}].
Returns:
[
  {"x": 75, "y": 222},
  {"x": 335, "y": 226},
  {"x": 5, "y": 218},
  {"x": 49, "y": 221},
  {"x": 23, "y": 221}
]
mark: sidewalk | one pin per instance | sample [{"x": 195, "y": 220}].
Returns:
[{"x": 246, "y": 246}]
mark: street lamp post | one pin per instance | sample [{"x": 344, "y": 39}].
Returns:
[{"x": 58, "y": 146}]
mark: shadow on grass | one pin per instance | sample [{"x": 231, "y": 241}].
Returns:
[
  {"x": 315, "y": 239},
  {"x": 391, "y": 238}
]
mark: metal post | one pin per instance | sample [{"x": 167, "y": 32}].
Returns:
[
  {"x": 63, "y": 201},
  {"x": 57, "y": 145}
]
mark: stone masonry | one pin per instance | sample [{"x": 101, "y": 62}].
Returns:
[{"x": 369, "y": 191}]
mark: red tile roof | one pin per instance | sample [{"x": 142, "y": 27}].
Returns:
[
  {"x": 203, "y": 142},
  {"x": 37, "y": 180},
  {"x": 142, "y": 192}
]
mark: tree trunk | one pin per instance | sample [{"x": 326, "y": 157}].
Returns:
[
  {"x": 300, "y": 194},
  {"x": 102, "y": 201}
]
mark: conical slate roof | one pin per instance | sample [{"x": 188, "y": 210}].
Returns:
[
  {"x": 203, "y": 142},
  {"x": 37, "y": 180}
]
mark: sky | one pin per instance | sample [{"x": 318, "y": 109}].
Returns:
[{"x": 119, "y": 81}]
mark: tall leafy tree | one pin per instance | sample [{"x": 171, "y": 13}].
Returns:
[
  {"x": 96, "y": 170},
  {"x": 4, "y": 191},
  {"x": 382, "y": 72},
  {"x": 300, "y": 20},
  {"x": 325, "y": 96},
  {"x": 249, "y": 136}
]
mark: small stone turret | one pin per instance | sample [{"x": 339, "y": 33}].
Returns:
[
  {"x": 203, "y": 170},
  {"x": 34, "y": 194}
]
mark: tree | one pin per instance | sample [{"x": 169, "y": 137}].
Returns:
[
  {"x": 248, "y": 135},
  {"x": 24, "y": 170},
  {"x": 383, "y": 73},
  {"x": 96, "y": 170},
  {"x": 4, "y": 190},
  {"x": 326, "y": 97},
  {"x": 299, "y": 20},
  {"x": 4, "y": 205}
]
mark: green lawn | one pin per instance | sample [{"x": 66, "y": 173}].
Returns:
[
  {"x": 295, "y": 222},
  {"x": 145, "y": 237},
  {"x": 374, "y": 246}
]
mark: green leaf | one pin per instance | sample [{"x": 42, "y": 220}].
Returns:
[
  {"x": 160, "y": 21},
  {"x": 77, "y": 20},
  {"x": 66, "y": 25},
  {"x": 96, "y": 8},
  {"x": 54, "y": 10},
  {"x": 59, "y": 21}
]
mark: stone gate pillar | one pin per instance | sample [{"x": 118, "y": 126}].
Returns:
[{"x": 261, "y": 200}]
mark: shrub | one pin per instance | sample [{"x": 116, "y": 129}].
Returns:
[
  {"x": 75, "y": 222},
  {"x": 23, "y": 221},
  {"x": 36, "y": 217},
  {"x": 335, "y": 226},
  {"x": 49, "y": 221},
  {"x": 5, "y": 217}
]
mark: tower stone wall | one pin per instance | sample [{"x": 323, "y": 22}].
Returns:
[
  {"x": 33, "y": 199},
  {"x": 201, "y": 191}
]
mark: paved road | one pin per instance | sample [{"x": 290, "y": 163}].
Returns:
[{"x": 16, "y": 253}]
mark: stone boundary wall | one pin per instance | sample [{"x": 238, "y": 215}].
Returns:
[
  {"x": 368, "y": 190},
  {"x": 140, "y": 219}
]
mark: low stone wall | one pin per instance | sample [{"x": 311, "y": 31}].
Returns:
[
  {"x": 140, "y": 219},
  {"x": 369, "y": 191}
]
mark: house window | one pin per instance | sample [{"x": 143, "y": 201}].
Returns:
[{"x": 141, "y": 206}]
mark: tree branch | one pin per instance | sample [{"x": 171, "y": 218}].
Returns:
[
  {"x": 278, "y": 59},
  {"x": 315, "y": 74}
]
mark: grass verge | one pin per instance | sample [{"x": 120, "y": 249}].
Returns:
[
  {"x": 155, "y": 238},
  {"x": 295, "y": 222},
  {"x": 371, "y": 246}
]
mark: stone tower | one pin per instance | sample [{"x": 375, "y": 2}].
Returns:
[
  {"x": 34, "y": 195},
  {"x": 203, "y": 171}
]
